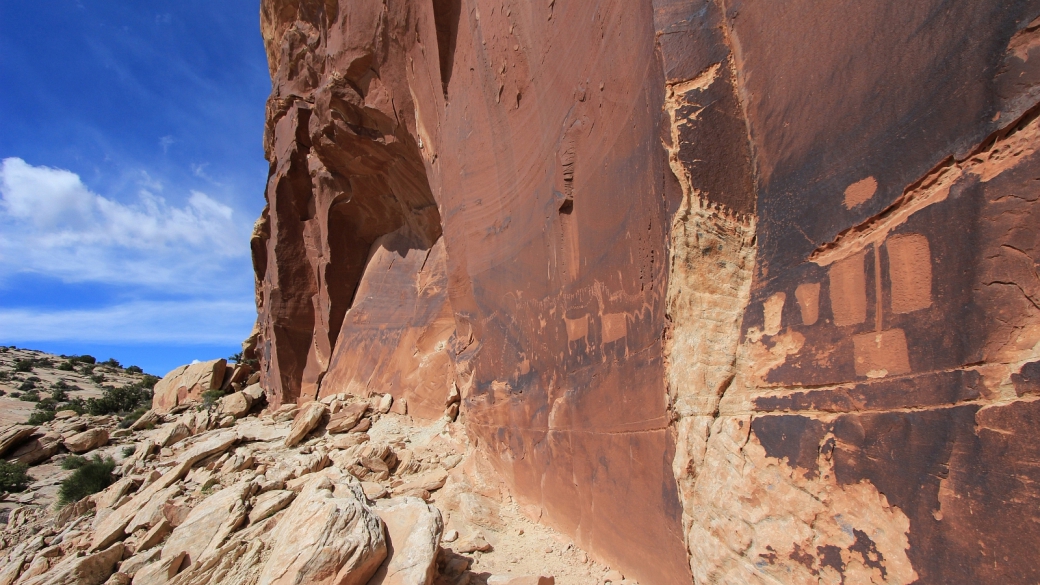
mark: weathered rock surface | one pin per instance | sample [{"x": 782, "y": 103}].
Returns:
[
  {"x": 86, "y": 570},
  {"x": 307, "y": 419},
  {"x": 414, "y": 528},
  {"x": 236, "y": 404},
  {"x": 333, "y": 538},
  {"x": 14, "y": 435},
  {"x": 208, "y": 524},
  {"x": 187, "y": 383},
  {"x": 37, "y": 449},
  {"x": 88, "y": 440},
  {"x": 722, "y": 304}
]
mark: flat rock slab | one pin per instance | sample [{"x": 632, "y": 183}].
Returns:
[
  {"x": 328, "y": 539},
  {"x": 414, "y": 528}
]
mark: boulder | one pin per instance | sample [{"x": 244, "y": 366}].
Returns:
[
  {"x": 86, "y": 570},
  {"x": 430, "y": 482},
  {"x": 13, "y": 436},
  {"x": 349, "y": 440},
  {"x": 160, "y": 571},
  {"x": 155, "y": 535},
  {"x": 414, "y": 528},
  {"x": 150, "y": 513},
  {"x": 306, "y": 420},
  {"x": 236, "y": 404},
  {"x": 254, "y": 392},
  {"x": 270, "y": 503},
  {"x": 147, "y": 420},
  {"x": 64, "y": 414},
  {"x": 208, "y": 524},
  {"x": 139, "y": 561},
  {"x": 187, "y": 383},
  {"x": 173, "y": 434},
  {"x": 333, "y": 537},
  {"x": 87, "y": 440},
  {"x": 384, "y": 404},
  {"x": 521, "y": 580},
  {"x": 347, "y": 418},
  {"x": 38, "y": 449}
]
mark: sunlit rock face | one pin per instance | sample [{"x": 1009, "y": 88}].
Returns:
[{"x": 731, "y": 291}]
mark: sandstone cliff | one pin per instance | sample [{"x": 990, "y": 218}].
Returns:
[{"x": 732, "y": 291}]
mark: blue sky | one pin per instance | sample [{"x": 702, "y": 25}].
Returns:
[{"x": 131, "y": 171}]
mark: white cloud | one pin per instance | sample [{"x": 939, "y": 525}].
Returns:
[
  {"x": 52, "y": 224},
  {"x": 173, "y": 322}
]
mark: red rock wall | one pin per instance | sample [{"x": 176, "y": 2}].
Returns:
[{"x": 739, "y": 290}]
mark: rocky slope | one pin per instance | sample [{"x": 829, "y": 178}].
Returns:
[
  {"x": 730, "y": 290},
  {"x": 346, "y": 490}
]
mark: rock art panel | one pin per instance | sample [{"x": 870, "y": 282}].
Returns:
[{"x": 718, "y": 303}]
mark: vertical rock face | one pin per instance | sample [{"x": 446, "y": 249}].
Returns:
[{"x": 737, "y": 290}]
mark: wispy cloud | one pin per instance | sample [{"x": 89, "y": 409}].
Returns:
[
  {"x": 52, "y": 224},
  {"x": 165, "y": 142},
  {"x": 169, "y": 322}
]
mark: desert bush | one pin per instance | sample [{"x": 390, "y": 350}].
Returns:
[
  {"x": 60, "y": 392},
  {"x": 23, "y": 366},
  {"x": 128, "y": 450},
  {"x": 149, "y": 381},
  {"x": 89, "y": 478},
  {"x": 134, "y": 370},
  {"x": 73, "y": 462},
  {"x": 4, "y": 376},
  {"x": 119, "y": 400},
  {"x": 38, "y": 417},
  {"x": 210, "y": 397},
  {"x": 77, "y": 404},
  {"x": 16, "y": 394},
  {"x": 112, "y": 363},
  {"x": 83, "y": 359},
  {"x": 97, "y": 378},
  {"x": 27, "y": 386},
  {"x": 67, "y": 366},
  {"x": 31, "y": 396},
  {"x": 14, "y": 477}
]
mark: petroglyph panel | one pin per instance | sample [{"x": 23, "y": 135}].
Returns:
[
  {"x": 848, "y": 290},
  {"x": 910, "y": 270}
]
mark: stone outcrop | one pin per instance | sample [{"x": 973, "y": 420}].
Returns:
[
  {"x": 187, "y": 383},
  {"x": 723, "y": 304}
]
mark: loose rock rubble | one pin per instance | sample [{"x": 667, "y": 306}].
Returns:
[{"x": 345, "y": 491}]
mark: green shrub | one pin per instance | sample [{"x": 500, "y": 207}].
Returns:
[
  {"x": 97, "y": 378},
  {"x": 119, "y": 400},
  {"x": 4, "y": 376},
  {"x": 149, "y": 381},
  {"x": 235, "y": 357},
  {"x": 16, "y": 394},
  {"x": 2, "y": 393},
  {"x": 59, "y": 394},
  {"x": 38, "y": 417},
  {"x": 73, "y": 462},
  {"x": 31, "y": 396},
  {"x": 89, "y": 478},
  {"x": 67, "y": 366},
  {"x": 87, "y": 370},
  {"x": 77, "y": 404},
  {"x": 128, "y": 450},
  {"x": 27, "y": 386},
  {"x": 23, "y": 366},
  {"x": 46, "y": 404},
  {"x": 210, "y": 397},
  {"x": 14, "y": 477},
  {"x": 131, "y": 418},
  {"x": 83, "y": 359},
  {"x": 134, "y": 370}
]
